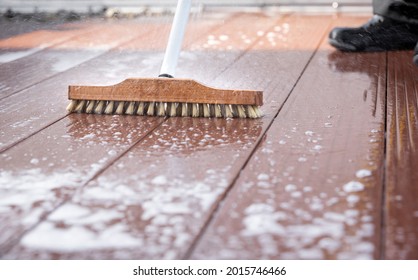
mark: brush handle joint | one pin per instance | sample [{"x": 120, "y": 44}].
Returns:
[{"x": 165, "y": 76}]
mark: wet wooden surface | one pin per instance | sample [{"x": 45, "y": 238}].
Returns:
[
  {"x": 401, "y": 207},
  {"x": 293, "y": 201},
  {"x": 314, "y": 178},
  {"x": 64, "y": 56}
]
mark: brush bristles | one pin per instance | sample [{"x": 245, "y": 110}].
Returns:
[
  {"x": 141, "y": 109},
  {"x": 195, "y": 110},
  {"x": 131, "y": 108},
  {"x": 119, "y": 108},
  {"x": 99, "y": 108},
  {"x": 161, "y": 109},
  {"x": 206, "y": 110},
  {"x": 241, "y": 111},
  {"x": 228, "y": 111},
  {"x": 109, "y": 108},
  {"x": 71, "y": 106},
  {"x": 165, "y": 109},
  {"x": 184, "y": 110},
  {"x": 218, "y": 111},
  {"x": 80, "y": 106},
  {"x": 90, "y": 107},
  {"x": 173, "y": 109},
  {"x": 151, "y": 109}
]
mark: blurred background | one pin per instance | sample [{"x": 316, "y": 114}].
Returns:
[{"x": 143, "y": 6}]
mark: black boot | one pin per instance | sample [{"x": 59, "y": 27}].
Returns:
[{"x": 378, "y": 34}]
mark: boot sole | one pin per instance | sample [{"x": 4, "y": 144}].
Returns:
[
  {"x": 341, "y": 46},
  {"x": 350, "y": 48}
]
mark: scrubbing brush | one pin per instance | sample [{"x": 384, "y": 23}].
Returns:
[{"x": 165, "y": 95}]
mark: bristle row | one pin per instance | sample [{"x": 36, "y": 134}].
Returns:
[{"x": 164, "y": 109}]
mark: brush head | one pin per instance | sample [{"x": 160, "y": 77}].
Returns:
[
  {"x": 164, "y": 109},
  {"x": 165, "y": 97}
]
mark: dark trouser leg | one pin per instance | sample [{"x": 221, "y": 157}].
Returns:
[{"x": 401, "y": 10}]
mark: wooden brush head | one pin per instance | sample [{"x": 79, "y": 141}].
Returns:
[{"x": 165, "y": 90}]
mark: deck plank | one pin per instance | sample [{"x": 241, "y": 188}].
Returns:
[
  {"x": 72, "y": 151},
  {"x": 21, "y": 116},
  {"x": 125, "y": 63},
  {"x": 313, "y": 188},
  {"x": 62, "y": 57},
  {"x": 401, "y": 207},
  {"x": 43, "y": 172},
  {"x": 22, "y": 45},
  {"x": 154, "y": 201}
]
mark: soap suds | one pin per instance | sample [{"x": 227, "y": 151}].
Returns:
[
  {"x": 160, "y": 180},
  {"x": 362, "y": 173},
  {"x": 47, "y": 236},
  {"x": 353, "y": 186}
]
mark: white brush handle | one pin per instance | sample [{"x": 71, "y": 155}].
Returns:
[{"x": 175, "y": 39}]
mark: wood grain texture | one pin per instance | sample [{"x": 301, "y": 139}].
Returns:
[
  {"x": 13, "y": 47},
  {"x": 22, "y": 116},
  {"x": 165, "y": 90},
  {"x": 95, "y": 141},
  {"x": 156, "y": 197},
  {"x": 41, "y": 173},
  {"x": 64, "y": 56},
  {"x": 313, "y": 187},
  {"x": 123, "y": 66},
  {"x": 155, "y": 200},
  {"x": 401, "y": 207},
  {"x": 313, "y": 179}
]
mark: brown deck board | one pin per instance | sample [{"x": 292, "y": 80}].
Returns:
[
  {"x": 297, "y": 198},
  {"x": 162, "y": 170},
  {"x": 44, "y": 171},
  {"x": 22, "y": 116},
  {"x": 61, "y": 57},
  {"x": 120, "y": 63},
  {"x": 22, "y": 45},
  {"x": 72, "y": 139},
  {"x": 315, "y": 178},
  {"x": 401, "y": 207}
]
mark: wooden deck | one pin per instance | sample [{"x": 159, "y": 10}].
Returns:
[{"x": 329, "y": 172}]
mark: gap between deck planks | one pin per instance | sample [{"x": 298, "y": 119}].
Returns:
[
  {"x": 107, "y": 69},
  {"x": 66, "y": 50},
  {"x": 400, "y": 233},
  {"x": 25, "y": 44},
  {"x": 76, "y": 169},
  {"x": 61, "y": 57},
  {"x": 21, "y": 116},
  {"x": 203, "y": 194},
  {"x": 401, "y": 207},
  {"x": 313, "y": 188}
]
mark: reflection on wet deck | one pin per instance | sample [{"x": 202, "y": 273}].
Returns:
[{"x": 327, "y": 173}]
